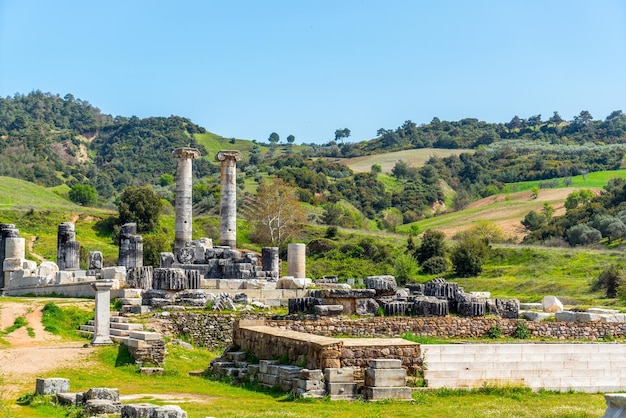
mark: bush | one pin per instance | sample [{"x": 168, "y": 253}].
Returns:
[
  {"x": 522, "y": 331},
  {"x": 494, "y": 332},
  {"x": 433, "y": 245},
  {"x": 83, "y": 194},
  {"x": 140, "y": 205},
  {"x": 583, "y": 234},
  {"x": 435, "y": 265},
  {"x": 610, "y": 280},
  {"x": 469, "y": 255},
  {"x": 404, "y": 268}
]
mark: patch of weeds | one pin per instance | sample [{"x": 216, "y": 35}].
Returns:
[
  {"x": 494, "y": 332},
  {"x": 64, "y": 322},
  {"x": 422, "y": 339},
  {"x": 251, "y": 358},
  {"x": 522, "y": 332},
  {"x": 31, "y": 332},
  {"x": 608, "y": 337},
  {"x": 19, "y": 322},
  {"x": 284, "y": 359}
]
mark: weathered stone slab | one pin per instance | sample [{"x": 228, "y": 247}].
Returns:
[
  {"x": 314, "y": 374},
  {"x": 382, "y": 393},
  {"x": 385, "y": 363},
  {"x": 289, "y": 282},
  {"x": 385, "y": 377},
  {"x": 114, "y": 273},
  {"x": 343, "y": 293},
  {"x": 383, "y": 285},
  {"x": 52, "y": 385},
  {"x": 339, "y": 375},
  {"x": 308, "y": 384},
  {"x": 328, "y": 310},
  {"x": 338, "y": 391},
  {"x": 98, "y": 407},
  {"x": 102, "y": 393},
  {"x": 551, "y": 304},
  {"x": 615, "y": 405},
  {"x": 265, "y": 364}
]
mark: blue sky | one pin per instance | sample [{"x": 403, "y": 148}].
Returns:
[{"x": 246, "y": 69}]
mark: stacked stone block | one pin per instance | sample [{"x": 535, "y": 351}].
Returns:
[
  {"x": 386, "y": 379},
  {"x": 309, "y": 384},
  {"x": 340, "y": 383}
]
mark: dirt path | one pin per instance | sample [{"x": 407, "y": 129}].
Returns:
[{"x": 25, "y": 357}]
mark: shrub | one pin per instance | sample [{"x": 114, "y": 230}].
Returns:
[
  {"x": 432, "y": 245},
  {"x": 469, "y": 255},
  {"x": 494, "y": 332},
  {"x": 435, "y": 265},
  {"x": 83, "y": 194},
  {"x": 583, "y": 234},
  {"x": 522, "y": 331},
  {"x": 404, "y": 268},
  {"x": 610, "y": 280}
]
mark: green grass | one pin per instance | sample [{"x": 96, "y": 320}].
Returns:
[
  {"x": 529, "y": 273},
  {"x": 64, "y": 321},
  {"x": 594, "y": 180},
  {"x": 19, "y": 322},
  {"x": 203, "y": 397}
]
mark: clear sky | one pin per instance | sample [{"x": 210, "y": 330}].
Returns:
[{"x": 246, "y": 69}]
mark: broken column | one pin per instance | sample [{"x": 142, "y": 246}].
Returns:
[
  {"x": 15, "y": 255},
  {"x": 102, "y": 319},
  {"x": 270, "y": 261},
  {"x": 68, "y": 249},
  {"x": 6, "y": 231},
  {"x": 183, "y": 205},
  {"x": 228, "y": 197},
  {"x": 296, "y": 260},
  {"x": 131, "y": 247}
]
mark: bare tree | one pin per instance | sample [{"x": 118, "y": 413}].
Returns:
[{"x": 275, "y": 212}]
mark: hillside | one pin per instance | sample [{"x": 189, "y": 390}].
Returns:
[{"x": 413, "y": 157}]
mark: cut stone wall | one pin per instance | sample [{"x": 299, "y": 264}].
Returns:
[
  {"x": 319, "y": 352},
  {"x": 451, "y": 326}
]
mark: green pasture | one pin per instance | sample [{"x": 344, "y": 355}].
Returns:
[{"x": 594, "y": 180}]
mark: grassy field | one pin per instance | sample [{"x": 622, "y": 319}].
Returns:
[
  {"x": 202, "y": 397},
  {"x": 413, "y": 157},
  {"x": 595, "y": 180}
]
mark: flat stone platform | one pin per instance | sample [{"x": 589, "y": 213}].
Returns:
[
  {"x": 375, "y": 342},
  {"x": 320, "y": 352}
]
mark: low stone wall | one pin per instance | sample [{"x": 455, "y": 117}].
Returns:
[
  {"x": 320, "y": 352},
  {"x": 215, "y": 330},
  {"x": 451, "y": 326},
  {"x": 206, "y": 329},
  {"x": 304, "y": 350}
]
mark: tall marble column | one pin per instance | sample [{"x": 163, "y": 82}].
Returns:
[
  {"x": 228, "y": 197},
  {"x": 183, "y": 206}
]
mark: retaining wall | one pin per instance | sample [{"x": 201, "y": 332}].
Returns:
[{"x": 215, "y": 330}]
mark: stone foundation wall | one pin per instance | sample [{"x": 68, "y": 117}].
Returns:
[
  {"x": 153, "y": 353},
  {"x": 215, "y": 330},
  {"x": 451, "y": 326},
  {"x": 206, "y": 329}
]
